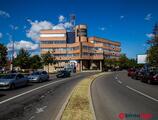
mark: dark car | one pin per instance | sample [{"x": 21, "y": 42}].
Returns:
[
  {"x": 38, "y": 76},
  {"x": 2, "y": 69},
  {"x": 138, "y": 74},
  {"x": 63, "y": 74},
  {"x": 11, "y": 81},
  {"x": 150, "y": 77},
  {"x": 130, "y": 71},
  {"x": 135, "y": 74}
]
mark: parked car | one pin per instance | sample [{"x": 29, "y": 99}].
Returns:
[
  {"x": 11, "y": 81},
  {"x": 150, "y": 77},
  {"x": 130, "y": 71},
  {"x": 2, "y": 69},
  {"x": 137, "y": 74},
  {"x": 38, "y": 76},
  {"x": 63, "y": 74}
]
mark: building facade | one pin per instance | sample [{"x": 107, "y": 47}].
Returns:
[{"x": 77, "y": 49}]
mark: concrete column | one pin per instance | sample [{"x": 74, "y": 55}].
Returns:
[
  {"x": 81, "y": 65},
  {"x": 101, "y": 67}
]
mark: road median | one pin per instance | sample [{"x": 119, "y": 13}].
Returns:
[{"x": 79, "y": 105}]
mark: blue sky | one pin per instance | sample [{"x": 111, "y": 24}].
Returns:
[{"x": 128, "y": 21}]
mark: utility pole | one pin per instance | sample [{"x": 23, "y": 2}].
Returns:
[
  {"x": 13, "y": 47},
  {"x": 12, "y": 67}
]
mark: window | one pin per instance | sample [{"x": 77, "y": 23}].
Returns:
[
  {"x": 44, "y": 72},
  {"x": 19, "y": 76},
  {"x": 54, "y": 42}
]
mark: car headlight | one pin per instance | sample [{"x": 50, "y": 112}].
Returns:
[
  {"x": 36, "y": 78},
  {"x": 6, "y": 83}
]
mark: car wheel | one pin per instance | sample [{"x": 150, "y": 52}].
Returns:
[
  {"x": 149, "y": 82},
  {"x": 40, "y": 80},
  {"x": 12, "y": 86},
  {"x": 141, "y": 80},
  {"x": 26, "y": 83}
]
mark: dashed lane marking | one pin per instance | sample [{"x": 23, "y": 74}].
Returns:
[{"x": 145, "y": 95}]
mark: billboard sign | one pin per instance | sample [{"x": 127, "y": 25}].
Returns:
[{"x": 142, "y": 59}]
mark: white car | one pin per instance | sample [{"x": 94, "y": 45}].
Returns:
[
  {"x": 38, "y": 76},
  {"x": 11, "y": 81}
]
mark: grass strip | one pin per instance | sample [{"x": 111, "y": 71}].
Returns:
[{"x": 78, "y": 106}]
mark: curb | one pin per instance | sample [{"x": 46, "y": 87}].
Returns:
[
  {"x": 90, "y": 95},
  {"x": 91, "y": 101},
  {"x": 58, "y": 117}
]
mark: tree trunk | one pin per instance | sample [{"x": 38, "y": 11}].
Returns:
[{"x": 48, "y": 68}]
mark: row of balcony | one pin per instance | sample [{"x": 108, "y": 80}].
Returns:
[{"x": 84, "y": 57}]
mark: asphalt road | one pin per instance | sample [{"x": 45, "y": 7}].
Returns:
[
  {"x": 115, "y": 95},
  {"x": 37, "y": 101}
]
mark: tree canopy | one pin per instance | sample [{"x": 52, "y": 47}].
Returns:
[
  {"x": 35, "y": 62},
  {"x": 153, "y": 50},
  {"x": 123, "y": 62},
  {"x": 23, "y": 59},
  {"x": 3, "y": 55},
  {"x": 48, "y": 59}
]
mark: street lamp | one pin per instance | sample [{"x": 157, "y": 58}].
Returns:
[{"x": 12, "y": 50}]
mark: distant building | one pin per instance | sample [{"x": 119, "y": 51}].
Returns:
[{"x": 77, "y": 49}]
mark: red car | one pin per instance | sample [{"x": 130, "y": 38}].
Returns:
[
  {"x": 150, "y": 78},
  {"x": 131, "y": 71}
]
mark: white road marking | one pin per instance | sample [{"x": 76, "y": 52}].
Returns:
[
  {"x": 39, "y": 110},
  {"x": 116, "y": 77},
  {"x": 31, "y": 118},
  {"x": 145, "y": 95},
  {"x": 9, "y": 99},
  {"x": 119, "y": 81}
]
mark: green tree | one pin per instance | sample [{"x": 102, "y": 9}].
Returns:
[
  {"x": 153, "y": 50},
  {"x": 23, "y": 59},
  {"x": 131, "y": 63},
  {"x": 48, "y": 59},
  {"x": 153, "y": 56},
  {"x": 154, "y": 40},
  {"x": 3, "y": 55},
  {"x": 35, "y": 62},
  {"x": 123, "y": 60}
]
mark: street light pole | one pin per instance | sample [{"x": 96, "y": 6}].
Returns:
[
  {"x": 13, "y": 47},
  {"x": 12, "y": 55}
]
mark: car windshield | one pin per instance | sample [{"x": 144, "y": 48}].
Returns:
[
  {"x": 10, "y": 76},
  {"x": 61, "y": 71},
  {"x": 35, "y": 73}
]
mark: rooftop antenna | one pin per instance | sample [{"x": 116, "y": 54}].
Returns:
[{"x": 72, "y": 21}]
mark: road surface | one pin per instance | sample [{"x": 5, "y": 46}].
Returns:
[
  {"x": 37, "y": 101},
  {"x": 116, "y": 95}
]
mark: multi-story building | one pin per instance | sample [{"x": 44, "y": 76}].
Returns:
[{"x": 77, "y": 49}]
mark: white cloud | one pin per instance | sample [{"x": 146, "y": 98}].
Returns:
[
  {"x": 59, "y": 26},
  {"x": 4, "y": 14},
  {"x": 1, "y": 35},
  {"x": 61, "y": 18},
  {"x": 65, "y": 25},
  {"x": 24, "y": 27},
  {"x": 14, "y": 27},
  {"x": 102, "y": 28},
  {"x": 36, "y": 27},
  {"x": 150, "y": 35},
  {"x": 22, "y": 44},
  {"x": 122, "y": 17},
  {"x": 148, "y": 17}
]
